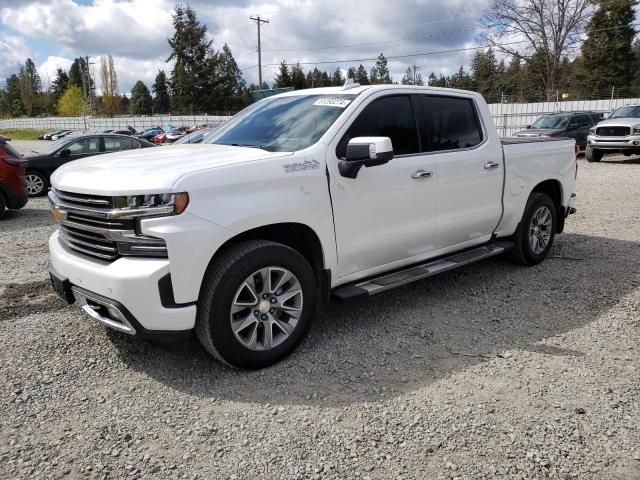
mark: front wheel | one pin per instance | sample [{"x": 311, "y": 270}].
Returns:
[
  {"x": 37, "y": 184},
  {"x": 536, "y": 231},
  {"x": 256, "y": 305},
  {"x": 593, "y": 155}
]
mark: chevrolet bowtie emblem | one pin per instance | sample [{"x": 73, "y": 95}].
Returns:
[{"x": 58, "y": 215}]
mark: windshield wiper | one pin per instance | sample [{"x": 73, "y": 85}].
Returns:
[{"x": 248, "y": 145}]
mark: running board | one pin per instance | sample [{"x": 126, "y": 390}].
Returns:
[{"x": 387, "y": 281}]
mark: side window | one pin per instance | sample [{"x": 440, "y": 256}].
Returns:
[
  {"x": 385, "y": 117},
  {"x": 449, "y": 123},
  {"x": 115, "y": 144},
  {"x": 84, "y": 146},
  {"x": 76, "y": 147},
  {"x": 584, "y": 120}
]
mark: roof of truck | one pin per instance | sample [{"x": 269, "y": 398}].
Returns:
[{"x": 357, "y": 89}]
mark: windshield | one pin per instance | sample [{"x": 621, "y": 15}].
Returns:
[
  {"x": 626, "y": 112},
  {"x": 551, "y": 121},
  {"x": 193, "y": 137},
  {"x": 58, "y": 144},
  {"x": 282, "y": 124}
]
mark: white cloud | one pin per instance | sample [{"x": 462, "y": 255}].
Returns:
[
  {"x": 13, "y": 54},
  {"x": 48, "y": 69}
]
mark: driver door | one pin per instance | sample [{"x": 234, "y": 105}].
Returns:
[{"x": 386, "y": 215}]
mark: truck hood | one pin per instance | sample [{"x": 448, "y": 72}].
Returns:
[
  {"x": 149, "y": 170},
  {"x": 620, "y": 122}
]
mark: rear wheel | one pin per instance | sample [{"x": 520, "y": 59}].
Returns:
[
  {"x": 536, "y": 231},
  {"x": 256, "y": 304},
  {"x": 37, "y": 184},
  {"x": 593, "y": 155}
]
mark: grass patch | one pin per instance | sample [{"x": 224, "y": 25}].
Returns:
[{"x": 22, "y": 133}]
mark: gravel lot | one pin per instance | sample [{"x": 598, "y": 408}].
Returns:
[{"x": 492, "y": 371}]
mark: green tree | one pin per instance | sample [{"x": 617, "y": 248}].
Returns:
[
  {"x": 283, "y": 77},
  {"x": 229, "y": 84},
  {"x": 380, "y": 71},
  {"x": 607, "y": 58},
  {"x": 484, "y": 67},
  {"x": 72, "y": 102},
  {"x": 125, "y": 103},
  {"x": 141, "y": 101},
  {"x": 411, "y": 77},
  {"x": 191, "y": 53},
  {"x": 59, "y": 85},
  {"x": 351, "y": 73},
  {"x": 337, "y": 79},
  {"x": 30, "y": 86},
  {"x": 14, "y": 99},
  {"x": 160, "y": 87},
  {"x": 298, "y": 80},
  {"x": 361, "y": 76}
]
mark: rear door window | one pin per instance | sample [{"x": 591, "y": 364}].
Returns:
[
  {"x": 85, "y": 146},
  {"x": 385, "y": 117},
  {"x": 115, "y": 144},
  {"x": 449, "y": 123}
]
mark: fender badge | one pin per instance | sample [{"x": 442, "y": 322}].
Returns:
[{"x": 298, "y": 167}]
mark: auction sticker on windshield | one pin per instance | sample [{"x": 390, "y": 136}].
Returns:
[{"x": 332, "y": 102}]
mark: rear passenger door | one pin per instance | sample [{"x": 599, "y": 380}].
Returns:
[
  {"x": 117, "y": 144},
  {"x": 470, "y": 170}
]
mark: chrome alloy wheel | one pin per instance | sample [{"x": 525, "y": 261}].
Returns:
[
  {"x": 540, "y": 230},
  {"x": 266, "y": 308},
  {"x": 35, "y": 185}
]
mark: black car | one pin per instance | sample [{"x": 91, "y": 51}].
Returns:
[
  {"x": 567, "y": 124},
  {"x": 41, "y": 167}
]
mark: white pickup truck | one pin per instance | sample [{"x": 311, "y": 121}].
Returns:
[{"x": 332, "y": 192}]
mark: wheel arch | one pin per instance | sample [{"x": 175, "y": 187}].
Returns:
[{"x": 553, "y": 188}]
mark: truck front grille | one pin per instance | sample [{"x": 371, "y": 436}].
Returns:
[
  {"x": 613, "y": 131},
  {"x": 88, "y": 229}
]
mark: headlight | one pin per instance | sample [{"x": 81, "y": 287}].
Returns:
[
  {"x": 592, "y": 130},
  {"x": 636, "y": 130},
  {"x": 157, "y": 204}
]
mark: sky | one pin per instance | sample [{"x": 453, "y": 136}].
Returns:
[{"x": 53, "y": 32}]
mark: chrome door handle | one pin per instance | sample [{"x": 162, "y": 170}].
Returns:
[
  {"x": 421, "y": 174},
  {"x": 491, "y": 165}
]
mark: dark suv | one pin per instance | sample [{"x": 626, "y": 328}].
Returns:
[
  {"x": 574, "y": 125},
  {"x": 13, "y": 190}
]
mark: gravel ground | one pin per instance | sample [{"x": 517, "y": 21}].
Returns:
[{"x": 492, "y": 371}]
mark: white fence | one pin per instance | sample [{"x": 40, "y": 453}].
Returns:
[
  {"x": 508, "y": 117},
  {"x": 512, "y": 117},
  {"x": 115, "y": 123}
]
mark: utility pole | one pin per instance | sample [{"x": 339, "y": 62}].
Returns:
[
  {"x": 259, "y": 21},
  {"x": 414, "y": 68}
]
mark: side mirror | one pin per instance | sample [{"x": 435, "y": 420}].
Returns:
[
  {"x": 528, "y": 126},
  {"x": 367, "y": 152},
  {"x": 65, "y": 152}
]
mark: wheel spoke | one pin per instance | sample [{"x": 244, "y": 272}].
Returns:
[
  {"x": 246, "y": 289},
  {"x": 284, "y": 277},
  {"x": 268, "y": 334},
  {"x": 242, "y": 324},
  {"x": 286, "y": 296},
  {"x": 285, "y": 327}
]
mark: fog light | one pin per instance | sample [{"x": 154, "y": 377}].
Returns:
[{"x": 636, "y": 142}]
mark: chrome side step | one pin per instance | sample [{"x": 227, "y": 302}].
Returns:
[{"x": 387, "y": 281}]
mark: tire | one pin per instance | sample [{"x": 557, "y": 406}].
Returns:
[
  {"x": 37, "y": 183},
  {"x": 228, "y": 300},
  {"x": 525, "y": 252},
  {"x": 3, "y": 205},
  {"x": 593, "y": 155}
]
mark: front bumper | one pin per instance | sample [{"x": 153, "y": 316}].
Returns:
[
  {"x": 631, "y": 142},
  {"x": 124, "y": 294}
]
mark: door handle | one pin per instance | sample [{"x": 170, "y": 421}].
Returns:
[
  {"x": 491, "y": 165},
  {"x": 421, "y": 174}
]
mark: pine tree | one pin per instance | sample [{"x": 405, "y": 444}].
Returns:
[
  {"x": 59, "y": 85},
  {"x": 298, "y": 79},
  {"x": 607, "y": 58},
  {"x": 14, "y": 99},
  {"x": 125, "y": 103},
  {"x": 485, "y": 73},
  {"x": 160, "y": 89},
  {"x": 141, "y": 101},
  {"x": 75, "y": 72},
  {"x": 361, "y": 76},
  {"x": 191, "y": 53},
  {"x": 227, "y": 93},
  {"x": 337, "y": 79},
  {"x": 30, "y": 86},
  {"x": 380, "y": 71},
  {"x": 283, "y": 77},
  {"x": 413, "y": 78}
]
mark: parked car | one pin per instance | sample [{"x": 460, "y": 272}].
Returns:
[
  {"x": 574, "y": 125},
  {"x": 48, "y": 135},
  {"x": 619, "y": 133},
  {"x": 61, "y": 134},
  {"x": 175, "y": 134},
  {"x": 40, "y": 167},
  {"x": 13, "y": 190},
  {"x": 194, "y": 137},
  {"x": 160, "y": 138},
  {"x": 150, "y": 133},
  {"x": 343, "y": 191}
]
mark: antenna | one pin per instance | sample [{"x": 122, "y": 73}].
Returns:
[{"x": 349, "y": 84}]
